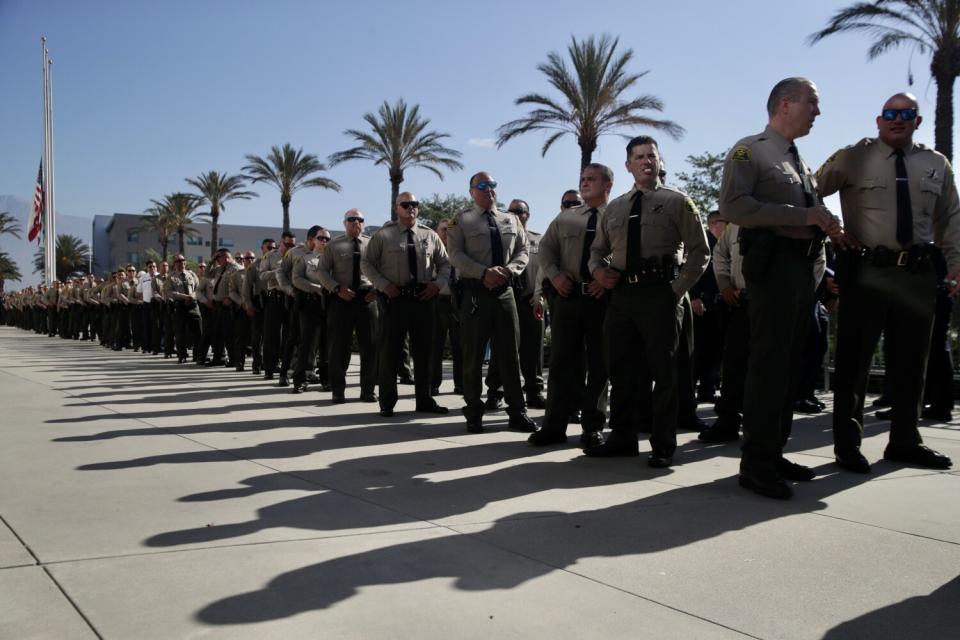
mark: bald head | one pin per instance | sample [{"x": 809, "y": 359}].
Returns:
[{"x": 898, "y": 119}]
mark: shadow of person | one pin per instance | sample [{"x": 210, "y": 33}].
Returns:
[{"x": 932, "y": 617}]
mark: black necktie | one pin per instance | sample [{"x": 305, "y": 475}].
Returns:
[
  {"x": 411, "y": 259},
  {"x": 355, "y": 279},
  {"x": 804, "y": 177},
  {"x": 216, "y": 285},
  {"x": 634, "y": 253},
  {"x": 587, "y": 241},
  {"x": 496, "y": 244},
  {"x": 904, "y": 210}
]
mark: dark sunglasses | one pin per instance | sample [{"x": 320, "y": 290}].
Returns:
[
  {"x": 410, "y": 205},
  {"x": 354, "y": 219},
  {"x": 569, "y": 204},
  {"x": 483, "y": 185},
  {"x": 323, "y": 238},
  {"x": 905, "y": 114},
  {"x": 518, "y": 212}
]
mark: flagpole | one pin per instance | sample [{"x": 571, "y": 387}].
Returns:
[
  {"x": 49, "y": 223},
  {"x": 52, "y": 173}
]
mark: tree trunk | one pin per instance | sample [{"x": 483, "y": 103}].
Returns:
[
  {"x": 214, "y": 229},
  {"x": 285, "y": 203},
  {"x": 395, "y": 181},
  {"x": 180, "y": 238},
  {"x": 163, "y": 247},
  {"x": 943, "y": 127}
]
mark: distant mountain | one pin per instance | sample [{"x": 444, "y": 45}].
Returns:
[{"x": 21, "y": 251}]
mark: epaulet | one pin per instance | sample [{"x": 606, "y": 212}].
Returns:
[
  {"x": 670, "y": 187},
  {"x": 458, "y": 215}
]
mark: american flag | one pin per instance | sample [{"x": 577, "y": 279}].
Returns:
[{"x": 39, "y": 205}]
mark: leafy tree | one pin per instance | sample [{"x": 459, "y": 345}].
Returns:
[
  {"x": 928, "y": 27},
  {"x": 288, "y": 170},
  {"x": 592, "y": 101},
  {"x": 398, "y": 140},
  {"x": 216, "y": 189},
  {"x": 703, "y": 183},
  {"x": 437, "y": 207},
  {"x": 181, "y": 210},
  {"x": 157, "y": 220},
  {"x": 72, "y": 257},
  {"x": 8, "y": 269},
  {"x": 9, "y": 224}
]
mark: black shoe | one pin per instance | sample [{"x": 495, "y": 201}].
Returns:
[
  {"x": 284, "y": 381},
  {"x": 917, "y": 455},
  {"x": 590, "y": 439},
  {"x": 852, "y": 460},
  {"x": 883, "y": 414},
  {"x": 807, "y": 406},
  {"x": 313, "y": 378},
  {"x": 929, "y": 413},
  {"x": 771, "y": 487},
  {"x": 386, "y": 413},
  {"x": 659, "y": 461},
  {"x": 325, "y": 387},
  {"x": 268, "y": 375},
  {"x": 706, "y": 395},
  {"x": 406, "y": 380},
  {"x": 240, "y": 368},
  {"x": 167, "y": 356},
  {"x": 300, "y": 387},
  {"x": 794, "y": 471},
  {"x": 338, "y": 398},
  {"x": 691, "y": 424},
  {"x": 521, "y": 422},
  {"x": 573, "y": 418},
  {"x": 493, "y": 403},
  {"x": 256, "y": 371},
  {"x": 611, "y": 449},
  {"x": 718, "y": 432},
  {"x": 181, "y": 360},
  {"x": 227, "y": 364},
  {"x": 214, "y": 363},
  {"x": 434, "y": 408},
  {"x": 435, "y": 391},
  {"x": 368, "y": 397},
  {"x": 536, "y": 401},
  {"x": 474, "y": 425},
  {"x": 881, "y": 401},
  {"x": 458, "y": 390},
  {"x": 546, "y": 437}
]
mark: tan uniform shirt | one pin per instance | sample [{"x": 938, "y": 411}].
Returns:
[
  {"x": 285, "y": 273},
  {"x": 385, "y": 261},
  {"x": 235, "y": 282},
  {"x": 182, "y": 286},
  {"x": 468, "y": 243},
  {"x": 251, "y": 283},
  {"x": 561, "y": 247},
  {"x": 671, "y": 226},
  {"x": 299, "y": 278},
  {"x": 269, "y": 266},
  {"x": 762, "y": 188},
  {"x": 531, "y": 274},
  {"x": 336, "y": 263},
  {"x": 727, "y": 261},
  {"x": 866, "y": 177},
  {"x": 219, "y": 281},
  {"x": 203, "y": 285}
]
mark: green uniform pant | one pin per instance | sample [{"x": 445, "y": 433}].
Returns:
[
  {"x": 641, "y": 335},
  {"x": 447, "y": 323},
  {"x": 578, "y": 373},
  {"x": 781, "y": 308},
  {"x": 400, "y": 316},
  {"x": 900, "y": 304},
  {"x": 344, "y": 318},
  {"x": 187, "y": 326},
  {"x": 485, "y": 317},
  {"x": 311, "y": 321}
]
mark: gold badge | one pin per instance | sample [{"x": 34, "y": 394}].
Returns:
[{"x": 741, "y": 154}]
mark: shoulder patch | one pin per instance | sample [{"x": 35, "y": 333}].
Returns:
[{"x": 741, "y": 154}]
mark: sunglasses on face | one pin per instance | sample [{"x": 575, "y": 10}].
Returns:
[
  {"x": 569, "y": 204},
  {"x": 518, "y": 212},
  {"x": 483, "y": 185},
  {"x": 355, "y": 219},
  {"x": 323, "y": 238},
  {"x": 905, "y": 114},
  {"x": 410, "y": 205}
]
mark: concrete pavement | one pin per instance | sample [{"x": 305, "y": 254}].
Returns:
[{"x": 144, "y": 499}]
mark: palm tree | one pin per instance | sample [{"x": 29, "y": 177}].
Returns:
[
  {"x": 216, "y": 189},
  {"x": 157, "y": 220},
  {"x": 9, "y": 224},
  {"x": 591, "y": 102},
  {"x": 181, "y": 208},
  {"x": 926, "y": 26},
  {"x": 72, "y": 257},
  {"x": 8, "y": 269},
  {"x": 288, "y": 170},
  {"x": 398, "y": 140}
]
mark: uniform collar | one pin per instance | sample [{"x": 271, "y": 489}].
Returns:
[
  {"x": 888, "y": 151},
  {"x": 777, "y": 138},
  {"x": 634, "y": 191}
]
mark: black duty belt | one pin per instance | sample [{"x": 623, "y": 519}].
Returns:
[
  {"x": 312, "y": 297},
  {"x": 277, "y": 294},
  {"x": 412, "y": 291},
  {"x": 808, "y": 248},
  {"x": 916, "y": 257},
  {"x": 662, "y": 270}
]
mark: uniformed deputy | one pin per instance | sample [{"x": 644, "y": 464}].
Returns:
[
  {"x": 488, "y": 248},
  {"x": 447, "y": 324},
  {"x": 181, "y": 289},
  {"x": 253, "y": 304},
  {"x": 241, "y": 322},
  {"x": 900, "y": 205},
  {"x": 311, "y": 303},
  {"x": 578, "y": 306},
  {"x": 531, "y": 322},
  {"x": 408, "y": 264},
  {"x": 771, "y": 193},
  {"x": 353, "y": 307},
  {"x": 643, "y": 234},
  {"x": 275, "y": 317},
  {"x": 291, "y": 338}
]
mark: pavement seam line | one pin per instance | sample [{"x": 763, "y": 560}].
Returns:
[
  {"x": 76, "y": 607},
  {"x": 36, "y": 560}
]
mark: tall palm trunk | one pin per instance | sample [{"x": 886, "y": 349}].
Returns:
[
  {"x": 395, "y": 181},
  {"x": 943, "y": 127},
  {"x": 214, "y": 229},
  {"x": 180, "y": 238},
  {"x": 285, "y": 203},
  {"x": 586, "y": 152},
  {"x": 163, "y": 247}
]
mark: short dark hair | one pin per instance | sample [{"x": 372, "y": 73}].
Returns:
[
  {"x": 313, "y": 231},
  {"x": 288, "y": 234},
  {"x": 715, "y": 215},
  {"x": 602, "y": 168},
  {"x": 474, "y": 176},
  {"x": 639, "y": 140},
  {"x": 267, "y": 241},
  {"x": 789, "y": 88},
  {"x": 151, "y": 262}
]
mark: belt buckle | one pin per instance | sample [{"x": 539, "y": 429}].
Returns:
[
  {"x": 902, "y": 258},
  {"x": 584, "y": 288},
  {"x": 634, "y": 279}
]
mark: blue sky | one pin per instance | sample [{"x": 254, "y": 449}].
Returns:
[{"x": 148, "y": 93}]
